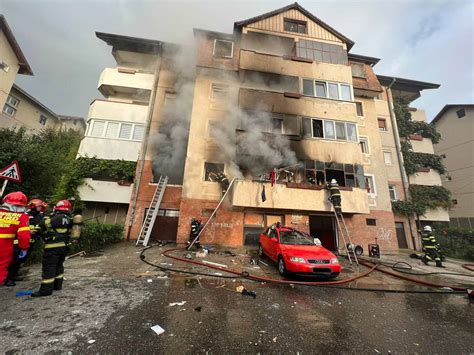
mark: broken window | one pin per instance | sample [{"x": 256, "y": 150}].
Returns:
[
  {"x": 318, "y": 129},
  {"x": 358, "y": 70},
  {"x": 219, "y": 91},
  {"x": 223, "y": 49},
  {"x": 277, "y": 125},
  {"x": 321, "y": 52},
  {"x": 297, "y": 26},
  {"x": 211, "y": 170}
]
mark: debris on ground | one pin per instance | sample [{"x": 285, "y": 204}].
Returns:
[
  {"x": 157, "y": 329},
  {"x": 253, "y": 261},
  {"x": 261, "y": 262},
  {"x": 245, "y": 292},
  {"x": 214, "y": 264},
  {"x": 229, "y": 253},
  {"x": 177, "y": 303},
  {"x": 275, "y": 339},
  {"x": 188, "y": 256},
  {"x": 149, "y": 280},
  {"x": 198, "y": 309},
  {"x": 92, "y": 341},
  {"x": 201, "y": 254}
]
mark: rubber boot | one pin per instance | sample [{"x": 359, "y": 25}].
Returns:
[
  {"x": 439, "y": 264},
  {"x": 39, "y": 294},
  {"x": 9, "y": 282},
  {"x": 58, "y": 284},
  {"x": 424, "y": 260}
]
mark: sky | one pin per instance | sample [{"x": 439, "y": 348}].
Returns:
[{"x": 426, "y": 40}]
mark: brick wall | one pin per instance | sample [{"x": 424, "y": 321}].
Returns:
[{"x": 370, "y": 82}]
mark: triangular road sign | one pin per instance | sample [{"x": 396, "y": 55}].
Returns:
[{"x": 11, "y": 172}]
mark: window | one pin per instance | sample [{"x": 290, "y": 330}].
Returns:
[
  {"x": 43, "y": 120},
  {"x": 125, "y": 131},
  {"x": 455, "y": 202},
  {"x": 10, "y": 111},
  {"x": 168, "y": 213},
  {"x": 277, "y": 125},
  {"x": 325, "y": 89},
  {"x": 392, "y": 191},
  {"x": 112, "y": 130},
  {"x": 321, "y": 52},
  {"x": 358, "y": 70},
  {"x": 98, "y": 128},
  {"x": 318, "y": 172},
  {"x": 219, "y": 91},
  {"x": 11, "y": 105},
  {"x": 371, "y": 221},
  {"x": 296, "y": 26},
  {"x": 138, "y": 132},
  {"x": 364, "y": 145},
  {"x": 370, "y": 184},
  {"x": 223, "y": 49},
  {"x": 359, "y": 109},
  {"x": 461, "y": 113},
  {"x": 387, "y": 157},
  {"x": 328, "y": 129},
  {"x": 211, "y": 169},
  {"x": 12, "y": 101},
  {"x": 382, "y": 124}
]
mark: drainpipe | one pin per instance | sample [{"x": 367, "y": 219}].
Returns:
[
  {"x": 141, "y": 160},
  {"x": 403, "y": 174}
]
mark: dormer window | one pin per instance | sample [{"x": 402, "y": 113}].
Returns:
[
  {"x": 297, "y": 26},
  {"x": 223, "y": 49}
]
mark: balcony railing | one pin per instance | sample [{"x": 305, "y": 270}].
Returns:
[
  {"x": 113, "y": 81},
  {"x": 118, "y": 111},
  {"x": 296, "y": 197}
]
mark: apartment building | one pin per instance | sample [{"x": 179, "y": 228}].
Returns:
[
  {"x": 281, "y": 96},
  {"x": 455, "y": 122}
]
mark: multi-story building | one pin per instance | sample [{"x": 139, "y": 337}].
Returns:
[
  {"x": 456, "y": 125},
  {"x": 72, "y": 122},
  {"x": 280, "y": 94}
]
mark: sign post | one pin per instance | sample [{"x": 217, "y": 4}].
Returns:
[{"x": 11, "y": 172}]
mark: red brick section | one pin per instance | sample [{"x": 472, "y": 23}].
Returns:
[
  {"x": 370, "y": 82},
  {"x": 171, "y": 199},
  {"x": 416, "y": 137}
]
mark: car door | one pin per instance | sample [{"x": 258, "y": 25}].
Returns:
[
  {"x": 272, "y": 244},
  {"x": 264, "y": 241}
]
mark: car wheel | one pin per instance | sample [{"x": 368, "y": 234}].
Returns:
[
  {"x": 281, "y": 267},
  {"x": 260, "y": 251}
]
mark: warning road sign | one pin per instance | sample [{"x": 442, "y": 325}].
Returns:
[{"x": 11, "y": 172}]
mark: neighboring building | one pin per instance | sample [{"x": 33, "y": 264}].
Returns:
[
  {"x": 12, "y": 62},
  {"x": 72, "y": 122},
  {"x": 280, "y": 91},
  {"x": 456, "y": 125}
]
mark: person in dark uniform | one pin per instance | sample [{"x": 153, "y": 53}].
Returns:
[
  {"x": 335, "y": 195},
  {"x": 36, "y": 209},
  {"x": 196, "y": 227},
  {"x": 55, "y": 231},
  {"x": 430, "y": 247}
]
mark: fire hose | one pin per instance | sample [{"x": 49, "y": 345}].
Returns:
[{"x": 328, "y": 284}]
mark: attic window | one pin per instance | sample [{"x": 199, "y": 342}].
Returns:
[
  {"x": 223, "y": 49},
  {"x": 461, "y": 113},
  {"x": 358, "y": 70},
  {"x": 296, "y": 26}
]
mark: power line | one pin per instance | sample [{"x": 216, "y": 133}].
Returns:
[{"x": 454, "y": 146}]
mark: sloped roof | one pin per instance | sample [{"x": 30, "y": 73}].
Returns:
[
  {"x": 446, "y": 108},
  {"x": 132, "y": 44},
  {"x": 363, "y": 58},
  {"x": 35, "y": 101},
  {"x": 301, "y": 9},
  {"x": 24, "y": 66}
]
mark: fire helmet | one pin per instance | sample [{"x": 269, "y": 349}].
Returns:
[
  {"x": 17, "y": 198},
  {"x": 427, "y": 229},
  {"x": 63, "y": 205},
  {"x": 333, "y": 181},
  {"x": 36, "y": 202}
]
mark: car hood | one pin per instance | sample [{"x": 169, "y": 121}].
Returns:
[{"x": 307, "y": 251}]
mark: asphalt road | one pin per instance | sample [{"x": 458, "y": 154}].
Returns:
[{"x": 106, "y": 308}]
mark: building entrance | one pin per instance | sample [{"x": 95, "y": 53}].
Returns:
[{"x": 322, "y": 227}]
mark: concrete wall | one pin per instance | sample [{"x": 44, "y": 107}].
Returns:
[
  {"x": 458, "y": 145},
  {"x": 6, "y": 78},
  {"x": 110, "y": 110},
  {"x": 109, "y": 148},
  {"x": 104, "y": 191}
]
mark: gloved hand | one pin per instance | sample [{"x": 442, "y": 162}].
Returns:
[{"x": 22, "y": 254}]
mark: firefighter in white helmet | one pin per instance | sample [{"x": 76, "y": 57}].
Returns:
[
  {"x": 335, "y": 195},
  {"x": 430, "y": 247}
]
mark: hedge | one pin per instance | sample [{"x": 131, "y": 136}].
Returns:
[{"x": 456, "y": 242}]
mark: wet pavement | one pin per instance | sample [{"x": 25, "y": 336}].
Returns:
[{"x": 111, "y": 301}]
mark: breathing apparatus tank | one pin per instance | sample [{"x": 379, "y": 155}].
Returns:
[{"x": 76, "y": 226}]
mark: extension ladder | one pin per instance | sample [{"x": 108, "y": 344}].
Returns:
[
  {"x": 212, "y": 215},
  {"x": 347, "y": 234},
  {"x": 152, "y": 212}
]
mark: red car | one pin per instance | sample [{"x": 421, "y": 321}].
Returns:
[{"x": 297, "y": 253}]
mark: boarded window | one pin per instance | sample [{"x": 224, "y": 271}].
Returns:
[
  {"x": 211, "y": 170},
  {"x": 358, "y": 70},
  {"x": 387, "y": 157},
  {"x": 223, "y": 49}
]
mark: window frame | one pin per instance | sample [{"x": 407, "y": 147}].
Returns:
[
  {"x": 223, "y": 56},
  {"x": 393, "y": 188},
  {"x": 321, "y": 52},
  {"x": 391, "y": 156},
  {"x": 361, "y": 105},
  {"x": 367, "y": 144},
  {"x": 9, "y": 97},
  {"x": 379, "y": 119},
  {"x": 213, "y": 97},
  {"x": 326, "y": 89},
  {"x": 364, "y": 75},
  {"x": 8, "y": 107},
  {"x": 92, "y": 122},
  {"x": 372, "y": 177},
  {"x": 333, "y": 123},
  {"x": 42, "y": 120},
  {"x": 461, "y": 113},
  {"x": 298, "y": 24},
  {"x": 282, "y": 125},
  {"x": 204, "y": 170}
]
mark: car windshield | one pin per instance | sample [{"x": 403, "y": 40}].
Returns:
[{"x": 295, "y": 238}]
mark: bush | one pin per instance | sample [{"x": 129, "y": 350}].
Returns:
[
  {"x": 94, "y": 236},
  {"x": 408, "y": 208},
  {"x": 456, "y": 242},
  {"x": 431, "y": 196}
]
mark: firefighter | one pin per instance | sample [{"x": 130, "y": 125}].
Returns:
[
  {"x": 55, "y": 231},
  {"x": 335, "y": 195},
  {"x": 310, "y": 177},
  {"x": 221, "y": 179},
  {"x": 430, "y": 247},
  {"x": 13, "y": 223},
  {"x": 196, "y": 226},
  {"x": 36, "y": 209}
]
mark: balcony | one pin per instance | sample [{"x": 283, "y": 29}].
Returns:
[
  {"x": 137, "y": 86},
  {"x": 251, "y": 60},
  {"x": 280, "y": 196},
  {"x": 105, "y": 191},
  {"x": 436, "y": 215},
  {"x": 118, "y": 111},
  {"x": 108, "y": 148}
]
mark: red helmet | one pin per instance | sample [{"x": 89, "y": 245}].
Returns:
[
  {"x": 17, "y": 198},
  {"x": 63, "y": 205},
  {"x": 36, "y": 202}
]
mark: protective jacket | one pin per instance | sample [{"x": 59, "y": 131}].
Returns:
[
  {"x": 428, "y": 240},
  {"x": 56, "y": 230},
  {"x": 12, "y": 224},
  {"x": 334, "y": 190}
]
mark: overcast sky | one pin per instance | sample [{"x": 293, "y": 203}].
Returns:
[{"x": 425, "y": 40}]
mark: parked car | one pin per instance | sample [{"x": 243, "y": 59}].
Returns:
[{"x": 296, "y": 253}]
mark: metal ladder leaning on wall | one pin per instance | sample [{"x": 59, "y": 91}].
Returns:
[
  {"x": 148, "y": 223},
  {"x": 212, "y": 215},
  {"x": 339, "y": 221}
]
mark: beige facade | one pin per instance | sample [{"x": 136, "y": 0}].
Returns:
[{"x": 456, "y": 125}]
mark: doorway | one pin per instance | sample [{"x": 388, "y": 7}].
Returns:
[
  {"x": 166, "y": 225},
  {"x": 401, "y": 237},
  {"x": 322, "y": 227}
]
